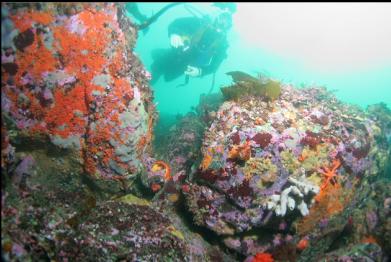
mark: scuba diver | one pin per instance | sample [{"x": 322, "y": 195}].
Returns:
[{"x": 198, "y": 46}]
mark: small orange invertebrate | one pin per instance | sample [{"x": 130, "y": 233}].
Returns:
[
  {"x": 303, "y": 244},
  {"x": 263, "y": 257},
  {"x": 259, "y": 121},
  {"x": 369, "y": 239},
  {"x": 330, "y": 173},
  {"x": 162, "y": 164},
  {"x": 302, "y": 158},
  {"x": 207, "y": 159},
  {"x": 7, "y": 246},
  {"x": 155, "y": 187},
  {"x": 242, "y": 152}
]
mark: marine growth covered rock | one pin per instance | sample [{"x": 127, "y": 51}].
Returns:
[
  {"x": 70, "y": 78},
  {"x": 282, "y": 165},
  {"x": 77, "y": 118}
]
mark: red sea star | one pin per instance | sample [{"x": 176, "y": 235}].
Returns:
[{"x": 330, "y": 173}]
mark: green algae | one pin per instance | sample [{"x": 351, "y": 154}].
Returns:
[
  {"x": 175, "y": 232},
  {"x": 315, "y": 159},
  {"x": 263, "y": 167},
  {"x": 133, "y": 200},
  {"x": 289, "y": 161}
]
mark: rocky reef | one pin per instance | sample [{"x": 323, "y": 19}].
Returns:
[
  {"x": 262, "y": 172},
  {"x": 77, "y": 119},
  {"x": 273, "y": 173}
]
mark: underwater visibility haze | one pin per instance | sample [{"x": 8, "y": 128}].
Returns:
[
  {"x": 344, "y": 47},
  {"x": 196, "y": 131}
]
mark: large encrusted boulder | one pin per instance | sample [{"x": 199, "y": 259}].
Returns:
[
  {"x": 282, "y": 165},
  {"x": 70, "y": 81}
]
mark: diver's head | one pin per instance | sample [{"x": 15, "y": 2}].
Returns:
[{"x": 223, "y": 22}]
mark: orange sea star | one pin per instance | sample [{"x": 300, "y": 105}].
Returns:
[{"x": 330, "y": 173}]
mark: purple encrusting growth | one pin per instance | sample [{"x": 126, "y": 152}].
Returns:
[
  {"x": 240, "y": 220},
  {"x": 357, "y": 166},
  {"x": 256, "y": 219},
  {"x": 5, "y": 104},
  {"x": 47, "y": 94},
  {"x": 24, "y": 167},
  {"x": 371, "y": 219}
]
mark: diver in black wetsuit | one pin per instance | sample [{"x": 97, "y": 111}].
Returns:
[{"x": 198, "y": 46}]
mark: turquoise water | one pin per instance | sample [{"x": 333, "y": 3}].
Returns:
[{"x": 361, "y": 85}]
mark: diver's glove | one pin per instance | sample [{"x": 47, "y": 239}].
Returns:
[
  {"x": 176, "y": 41},
  {"x": 193, "y": 71}
]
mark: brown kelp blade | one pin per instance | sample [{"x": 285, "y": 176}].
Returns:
[
  {"x": 239, "y": 76},
  {"x": 245, "y": 84}
]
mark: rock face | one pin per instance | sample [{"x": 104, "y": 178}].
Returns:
[
  {"x": 282, "y": 165},
  {"x": 77, "y": 119},
  {"x": 70, "y": 79},
  {"x": 73, "y": 226},
  {"x": 289, "y": 175},
  {"x": 76, "y": 100},
  {"x": 360, "y": 231}
]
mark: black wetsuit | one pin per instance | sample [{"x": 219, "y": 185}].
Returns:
[{"x": 207, "y": 49}]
